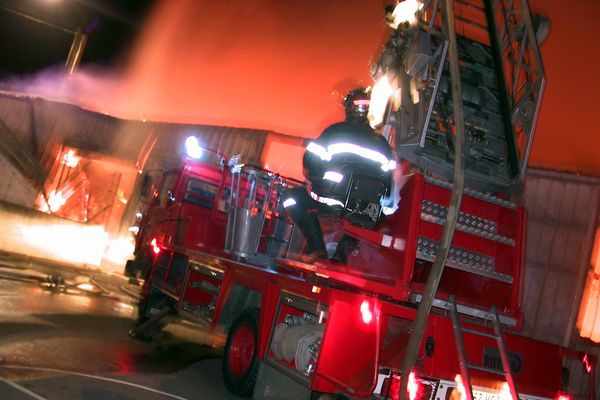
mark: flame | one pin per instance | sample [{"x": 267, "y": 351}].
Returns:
[
  {"x": 588, "y": 321},
  {"x": 75, "y": 243},
  {"x": 406, "y": 11},
  {"x": 119, "y": 250},
  {"x": 460, "y": 386},
  {"x": 70, "y": 159},
  {"x": 79, "y": 244},
  {"x": 380, "y": 96},
  {"x": 505, "y": 392},
  {"x": 55, "y": 201}
]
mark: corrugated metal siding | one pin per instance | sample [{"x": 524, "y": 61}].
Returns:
[
  {"x": 229, "y": 141},
  {"x": 16, "y": 112},
  {"x": 38, "y": 128},
  {"x": 562, "y": 216},
  {"x": 14, "y": 188},
  {"x": 46, "y": 123},
  {"x": 562, "y": 211}
]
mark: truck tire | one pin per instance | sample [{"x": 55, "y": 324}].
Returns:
[{"x": 240, "y": 361}]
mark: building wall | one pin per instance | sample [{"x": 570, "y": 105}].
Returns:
[
  {"x": 562, "y": 216},
  {"x": 34, "y": 131},
  {"x": 562, "y": 212},
  {"x": 41, "y": 125},
  {"x": 14, "y": 188}
]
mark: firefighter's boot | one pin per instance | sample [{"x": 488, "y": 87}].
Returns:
[
  {"x": 311, "y": 228},
  {"x": 345, "y": 247}
]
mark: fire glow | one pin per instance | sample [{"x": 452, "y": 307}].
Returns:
[
  {"x": 502, "y": 394},
  {"x": 54, "y": 202},
  {"x": 406, "y": 12},
  {"x": 52, "y": 238},
  {"x": 77, "y": 244},
  {"x": 80, "y": 244},
  {"x": 380, "y": 96},
  {"x": 185, "y": 41},
  {"x": 70, "y": 159}
]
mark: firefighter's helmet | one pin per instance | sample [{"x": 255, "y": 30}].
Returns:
[{"x": 356, "y": 105}]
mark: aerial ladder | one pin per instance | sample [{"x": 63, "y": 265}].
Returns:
[{"x": 461, "y": 84}]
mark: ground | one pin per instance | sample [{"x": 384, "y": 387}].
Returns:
[{"x": 66, "y": 343}]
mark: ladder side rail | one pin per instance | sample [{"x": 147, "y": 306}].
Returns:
[
  {"x": 504, "y": 354},
  {"x": 538, "y": 86},
  {"x": 521, "y": 61},
  {"x": 460, "y": 348},
  {"x": 513, "y": 162}
]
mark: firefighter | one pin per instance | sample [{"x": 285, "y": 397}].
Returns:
[{"x": 342, "y": 153}]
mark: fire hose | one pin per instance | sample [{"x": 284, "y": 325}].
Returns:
[
  {"x": 299, "y": 341},
  {"x": 433, "y": 281}
]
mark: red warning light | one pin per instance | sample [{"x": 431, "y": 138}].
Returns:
[
  {"x": 366, "y": 312},
  {"x": 155, "y": 247},
  {"x": 587, "y": 363},
  {"x": 563, "y": 396}
]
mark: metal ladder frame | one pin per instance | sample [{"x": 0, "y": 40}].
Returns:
[
  {"x": 526, "y": 65},
  {"x": 462, "y": 355}
]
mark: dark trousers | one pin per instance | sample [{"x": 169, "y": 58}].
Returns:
[{"x": 304, "y": 214}]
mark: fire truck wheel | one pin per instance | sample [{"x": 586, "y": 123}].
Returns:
[{"x": 240, "y": 364}]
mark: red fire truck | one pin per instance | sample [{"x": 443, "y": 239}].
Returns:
[
  {"x": 215, "y": 247},
  {"x": 220, "y": 251}
]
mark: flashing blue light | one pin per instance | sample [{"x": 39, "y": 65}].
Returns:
[{"x": 192, "y": 147}]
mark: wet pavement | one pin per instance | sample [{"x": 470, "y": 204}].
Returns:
[{"x": 58, "y": 341}]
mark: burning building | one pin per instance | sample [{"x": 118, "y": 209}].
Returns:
[{"x": 65, "y": 163}]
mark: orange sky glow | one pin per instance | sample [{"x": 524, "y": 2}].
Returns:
[{"x": 269, "y": 64}]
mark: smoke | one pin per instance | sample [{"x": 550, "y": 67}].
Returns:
[
  {"x": 90, "y": 87},
  {"x": 270, "y": 64},
  {"x": 264, "y": 64},
  {"x": 261, "y": 64}
]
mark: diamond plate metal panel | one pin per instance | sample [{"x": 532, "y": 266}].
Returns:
[
  {"x": 462, "y": 259},
  {"x": 474, "y": 225}
]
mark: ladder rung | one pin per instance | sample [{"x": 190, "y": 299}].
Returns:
[
  {"x": 480, "y": 333},
  {"x": 486, "y": 369},
  {"x": 465, "y": 365}
]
